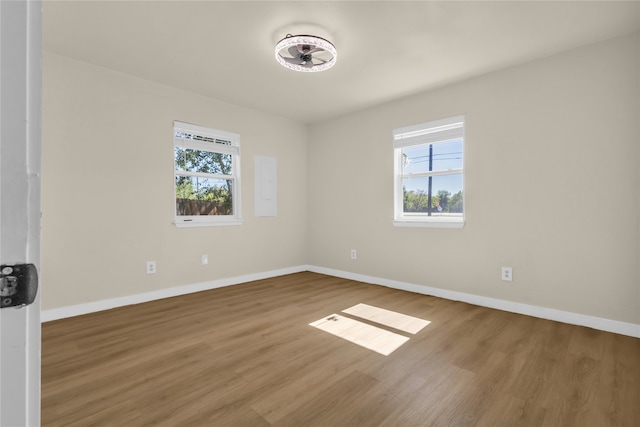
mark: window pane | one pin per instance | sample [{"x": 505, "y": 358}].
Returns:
[
  {"x": 203, "y": 196},
  {"x": 190, "y": 160},
  {"x": 446, "y": 195},
  {"x": 443, "y": 156}
]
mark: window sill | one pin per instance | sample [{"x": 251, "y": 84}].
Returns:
[
  {"x": 430, "y": 223},
  {"x": 191, "y": 224}
]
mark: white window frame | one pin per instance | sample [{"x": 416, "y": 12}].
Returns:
[
  {"x": 233, "y": 149},
  {"x": 432, "y": 132}
]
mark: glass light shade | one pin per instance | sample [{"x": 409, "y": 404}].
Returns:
[{"x": 313, "y": 42}]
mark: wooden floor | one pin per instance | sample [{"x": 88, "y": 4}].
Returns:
[{"x": 245, "y": 356}]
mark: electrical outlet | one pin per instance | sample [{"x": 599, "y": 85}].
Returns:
[
  {"x": 354, "y": 254},
  {"x": 507, "y": 274},
  {"x": 205, "y": 259},
  {"x": 151, "y": 267}
]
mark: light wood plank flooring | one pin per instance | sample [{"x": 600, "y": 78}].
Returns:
[{"x": 245, "y": 355}]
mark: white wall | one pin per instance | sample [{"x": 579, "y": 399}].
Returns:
[
  {"x": 551, "y": 186},
  {"x": 108, "y": 196}
]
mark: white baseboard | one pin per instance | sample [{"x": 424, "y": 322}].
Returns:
[
  {"x": 92, "y": 307},
  {"x": 602, "y": 324}
]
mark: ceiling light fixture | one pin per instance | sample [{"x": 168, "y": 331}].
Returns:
[{"x": 306, "y": 53}]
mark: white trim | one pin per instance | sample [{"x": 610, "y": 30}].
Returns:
[
  {"x": 206, "y": 175},
  {"x": 206, "y": 146},
  {"x": 95, "y": 306},
  {"x": 608, "y": 325},
  {"x": 430, "y": 222},
  {"x": 441, "y": 172},
  {"x": 20, "y": 207},
  {"x": 434, "y": 138},
  {"x": 188, "y": 223},
  {"x": 432, "y": 132}
]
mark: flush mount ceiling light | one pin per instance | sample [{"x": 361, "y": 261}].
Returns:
[{"x": 306, "y": 53}]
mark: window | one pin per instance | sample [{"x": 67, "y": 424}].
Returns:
[
  {"x": 429, "y": 174},
  {"x": 207, "y": 176}
]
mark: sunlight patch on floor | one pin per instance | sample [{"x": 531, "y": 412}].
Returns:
[
  {"x": 389, "y": 318},
  {"x": 368, "y": 336}
]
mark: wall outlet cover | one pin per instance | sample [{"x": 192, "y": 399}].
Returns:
[{"x": 507, "y": 274}]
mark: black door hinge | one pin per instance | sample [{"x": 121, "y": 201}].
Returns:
[{"x": 18, "y": 285}]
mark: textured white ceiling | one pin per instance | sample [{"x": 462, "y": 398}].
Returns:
[{"x": 386, "y": 50}]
